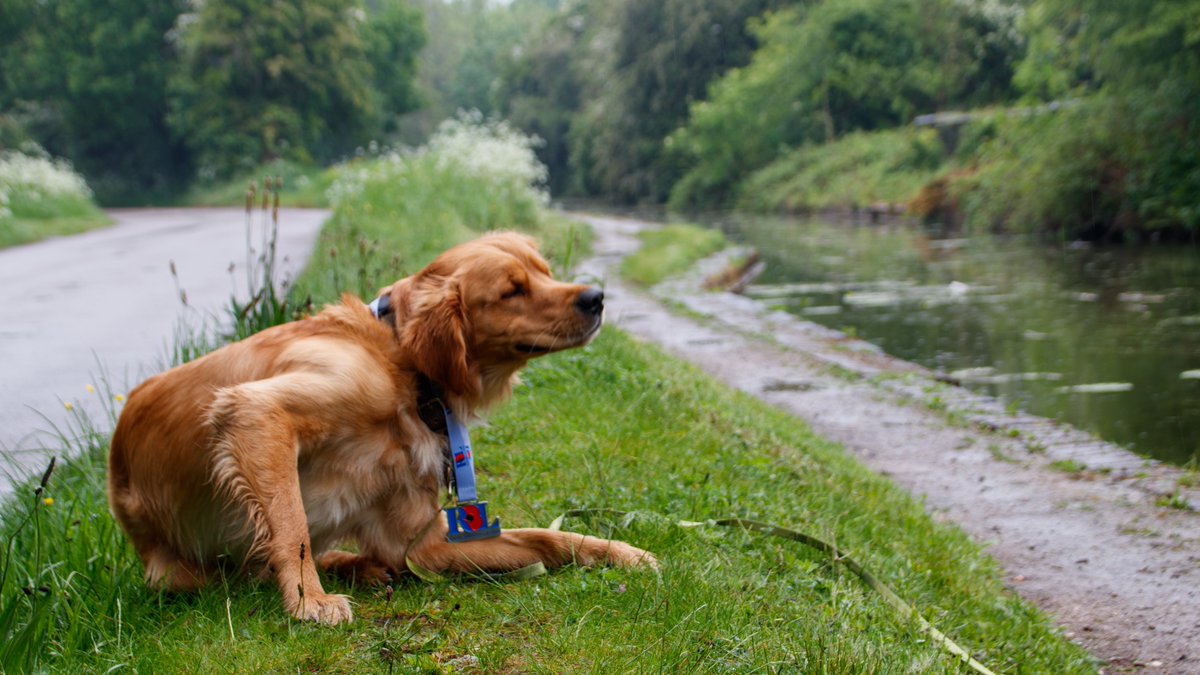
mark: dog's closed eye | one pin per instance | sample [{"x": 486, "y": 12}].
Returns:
[{"x": 517, "y": 291}]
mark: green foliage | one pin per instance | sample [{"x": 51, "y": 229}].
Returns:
[
  {"x": 260, "y": 80},
  {"x": 541, "y": 91},
  {"x": 605, "y": 82},
  {"x": 1043, "y": 172},
  {"x": 88, "y": 81},
  {"x": 1141, "y": 59},
  {"x": 392, "y": 35},
  {"x": 837, "y": 67},
  {"x": 661, "y": 58},
  {"x": 461, "y": 69},
  {"x": 857, "y": 170},
  {"x": 670, "y": 251},
  {"x": 1116, "y": 158},
  {"x": 304, "y": 185},
  {"x": 140, "y": 94},
  {"x": 41, "y": 197}
]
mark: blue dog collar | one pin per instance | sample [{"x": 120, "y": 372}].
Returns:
[{"x": 467, "y": 519}]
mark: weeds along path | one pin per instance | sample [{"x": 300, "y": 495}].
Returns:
[
  {"x": 1091, "y": 547},
  {"x": 76, "y": 311}
]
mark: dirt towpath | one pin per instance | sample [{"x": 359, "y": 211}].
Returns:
[
  {"x": 1091, "y": 547},
  {"x": 72, "y": 306}
]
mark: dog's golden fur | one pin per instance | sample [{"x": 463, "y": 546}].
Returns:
[{"x": 276, "y": 448}]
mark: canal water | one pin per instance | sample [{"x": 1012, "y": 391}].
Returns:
[{"x": 1105, "y": 338}]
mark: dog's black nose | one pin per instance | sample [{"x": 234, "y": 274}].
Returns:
[{"x": 590, "y": 301}]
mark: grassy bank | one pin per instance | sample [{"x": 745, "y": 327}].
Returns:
[
  {"x": 1076, "y": 172},
  {"x": 858, "y": 170},
  {"x": 303, "y": 186},
  {"x": 41, "y": 197},
  {"x": 617, "y": 425},
  {"x": 670, "y": 251}
]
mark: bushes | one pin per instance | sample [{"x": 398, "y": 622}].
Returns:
[
  {"x": 41, "y": 196},
  {"x": 406, "y": 207},
  {"x": 1031, "y": 173},
  {"x": 836, "y": 67},
  {"x": 1091, "y": 170},
  {"x": 856, "y": 170}
]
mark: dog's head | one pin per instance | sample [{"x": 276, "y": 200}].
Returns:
[{"x": 483, "y": 309}]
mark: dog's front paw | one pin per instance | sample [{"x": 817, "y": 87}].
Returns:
[{"x": 326, "y": 608}]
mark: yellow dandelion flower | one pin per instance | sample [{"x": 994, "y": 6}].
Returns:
[
  {"x": 119, "y": 398},
  {"x": 68, "y": 406},
  {"x": 48, "y": 501},
  {"x": 91, "y": 389}
]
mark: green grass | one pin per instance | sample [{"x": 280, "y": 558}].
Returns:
[
  {"x": 303, "y": 186},
  {"x": 42, "y": 197},
  {"x": 670, "y": 251},
  {"x": 1068, "y": 466},
  {"x": 18, "y": 230},
  {"x": 617, "y": 425},
  {"x": 1174, "y": 501},
  {"x": 856, "y": 170},
  {"x": 408, "y": 213}
]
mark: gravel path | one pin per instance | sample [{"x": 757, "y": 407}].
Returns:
[
  {"x": 1120, "y": 574},
  {"x": 106, "y": 298}
]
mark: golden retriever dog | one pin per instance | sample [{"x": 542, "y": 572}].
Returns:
[{"x": 275, "y": 449}]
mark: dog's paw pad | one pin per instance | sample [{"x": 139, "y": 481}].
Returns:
[{"x": 328, "y": 609}]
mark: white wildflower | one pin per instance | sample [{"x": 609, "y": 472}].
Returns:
[
  {"x": 488, "y": 149},
  {"x": 485, "y": 149},
  {"x": 35, "y": 177}
]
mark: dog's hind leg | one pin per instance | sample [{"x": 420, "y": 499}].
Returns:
[
  {"x": 518, "y": 548},
  {"x": 354, "y": 568},
  {"x": 166, "y": 571}
]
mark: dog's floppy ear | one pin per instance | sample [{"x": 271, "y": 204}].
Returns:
[
  {"x": 400, "y": 301},
  {"x": 435, "y": 334}
]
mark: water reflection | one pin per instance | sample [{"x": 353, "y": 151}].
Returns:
[{"x": 1107, "y": 339}]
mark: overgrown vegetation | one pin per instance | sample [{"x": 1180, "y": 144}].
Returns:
[
  {"x": 392, "y": 215},
  {"x": 42, "y": 197},
  {"x": 147, "y": 97},
  {"x": 617, "y": 425},
  {"x": 860, "y": 169},
  {"x": 836, "y": 67},
  {"x": 718, "y": 104},
  {"x": 304, "y": 185}
]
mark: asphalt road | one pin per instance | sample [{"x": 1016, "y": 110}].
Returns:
[{"x": 76, "y": 311}]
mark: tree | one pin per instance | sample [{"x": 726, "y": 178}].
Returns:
[
  {"x": 88, "y": 80},
  {"x": 837, "y": 67},
  {"x": 1136, "y": 63},
  {"x": 651, "y": 60},
  {"x": 306, "y": 80},
  {"x": 393, "y": 35},
  {"x": 539, "y": 90},
  {"x": 462, "y": 68}
]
